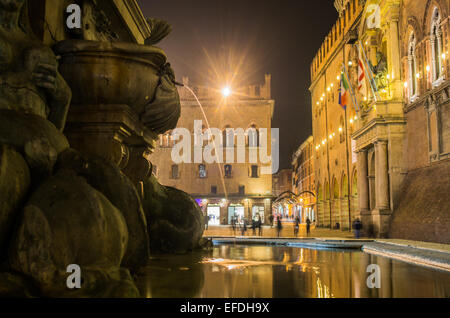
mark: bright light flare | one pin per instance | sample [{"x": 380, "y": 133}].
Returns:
[{"x": 226, "y": 91}]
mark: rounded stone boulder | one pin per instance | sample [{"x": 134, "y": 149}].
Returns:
[
  {"x": 66, "y": 221},
  {"x": 121, "y": 192},
  {"x": 14, "y": 185},
  {"x": 174, "y": 218}
]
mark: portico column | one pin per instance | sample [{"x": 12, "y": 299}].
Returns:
[
  {"x": 381, "y": 176},
  {"x": 363, "y": 182}
]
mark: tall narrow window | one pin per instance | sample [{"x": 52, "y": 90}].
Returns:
[
  {"x": 253, "y": 136},
  {"x": 437, "y": 51},
  {"x": 228, "y": 137},
  {"x": 202, "y": 171},
  {"x": 213, "y": 189},
  {"x": 228, "y": 171},
  {"x": 175, "y": 172},
  {"x": 254, "y": 172},
  {"x": 412, "y": 63},
  {"x": 241, "y": 189}
]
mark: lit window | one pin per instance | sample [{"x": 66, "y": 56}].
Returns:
[
  {"x": 412, "y": 64},
  {"x": 437, "y": 52},
  {"x": 228, "y": 171},
  {"x": 202, "y": 171}
]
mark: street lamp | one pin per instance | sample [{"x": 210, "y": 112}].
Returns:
[{"x": 226, "y": 91}]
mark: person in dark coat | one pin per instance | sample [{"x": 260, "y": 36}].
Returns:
[
  {"x": 206, "y": 221},
  {"x": 271, "y": 220},
  {"x": 357, "y": 226},
  {"x": 279, "y": 226},
  {"x": 233, "y": 225},
  {"x": 308, "y": 226},
  {"x": 259, "y": 225},
  {"x": 254, "y": 227},
  {"x": 296, "y": 226},
  {"x": 244, "y": 226}
]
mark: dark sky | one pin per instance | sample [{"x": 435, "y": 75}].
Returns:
[{"x": 213, "y": 38}]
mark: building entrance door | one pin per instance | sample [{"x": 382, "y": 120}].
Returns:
[
  {"x": 213, "y": 212},
  {"x": 236, "y": 211},
  {"x": 258, "y": 211}
]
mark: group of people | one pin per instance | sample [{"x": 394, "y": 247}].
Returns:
[{"x": 243, "y": 224}]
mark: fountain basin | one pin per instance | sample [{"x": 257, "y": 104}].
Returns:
[{"x": 110, "y": 73}]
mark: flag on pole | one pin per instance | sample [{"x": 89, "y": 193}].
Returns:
[
  {"x": 343, "y": 92},
  {"x": 362, "y": 88}
]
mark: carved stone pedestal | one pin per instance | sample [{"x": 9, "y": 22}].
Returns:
[{"x": 114, "y": 133}]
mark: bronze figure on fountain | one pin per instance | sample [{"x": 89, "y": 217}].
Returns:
[{"x": 73, "y": 205}]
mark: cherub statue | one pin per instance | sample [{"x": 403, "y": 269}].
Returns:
[{"x": 29, "y": 80}]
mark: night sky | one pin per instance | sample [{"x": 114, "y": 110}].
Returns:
[{"x": 214, "y": 40}]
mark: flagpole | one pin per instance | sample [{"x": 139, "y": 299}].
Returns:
[
  {"x": 348, "y": 172},
  {"x": 370, "y": 73},
  {"x": 352, "y": 93}
]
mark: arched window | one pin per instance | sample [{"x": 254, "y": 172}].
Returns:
[
  {"x": 253, "y": 136},
  {"x": 437, "y": 52},
  {"x": 412, "y": 68},
  {"x": 228, "y": 137}
]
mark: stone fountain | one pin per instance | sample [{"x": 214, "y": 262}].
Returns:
[{"x": 85, "y": 196}]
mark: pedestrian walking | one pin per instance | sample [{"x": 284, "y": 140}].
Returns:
[
  {"x": 206, "y": 221},
  {"x": 271, "y": 220},
  {"x": 244, "y": 226},
  {"x": 357, "y": 226},
  {"x": 254, "y": 226},
  {"x": 308, "y": 226},
  {"x": 259, "y": 225},
  {"x": 296, "y": 226},
  {"x": 279, "y": 226},
  {"x": 233, "y": 225}
]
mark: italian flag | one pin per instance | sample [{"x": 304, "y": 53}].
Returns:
[{"x": 343, "y": 92}]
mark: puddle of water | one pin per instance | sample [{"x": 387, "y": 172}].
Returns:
[{"x": 233, "y": 271}]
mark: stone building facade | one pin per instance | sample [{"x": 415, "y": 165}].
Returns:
[
  {"x": 397, "y": 129},
  {"x": 232, "y": 188},
  {"x": 282, "y": 181},
  {"x": 423, "y": 209},
  {"x": 303, "y": 183}
]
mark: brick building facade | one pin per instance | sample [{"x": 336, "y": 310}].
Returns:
[{"x": 397, "y": 145}]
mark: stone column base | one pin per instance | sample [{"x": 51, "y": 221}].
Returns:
[{"x": 381, "y": 220}]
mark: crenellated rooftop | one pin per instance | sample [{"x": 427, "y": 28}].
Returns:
[{"x": 349, "y": 12}]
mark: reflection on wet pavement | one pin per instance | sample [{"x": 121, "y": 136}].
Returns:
[{"x": 233, "y": 271}]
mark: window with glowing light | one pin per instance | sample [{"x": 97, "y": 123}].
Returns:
[
  {"x": 202, "y": 171},
  {"x": 228, "y": 171},
  {"x": 412, "y": 64},
  {"x": 437, "y": 52}
]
